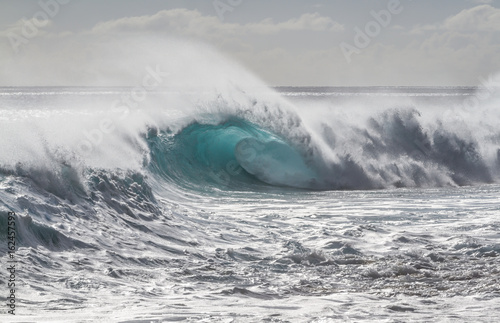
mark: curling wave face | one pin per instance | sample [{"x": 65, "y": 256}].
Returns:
[{"x": 235, "y": 153}]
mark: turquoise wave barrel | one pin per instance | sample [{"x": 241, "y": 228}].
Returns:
[{"x": 232, "y": 154}]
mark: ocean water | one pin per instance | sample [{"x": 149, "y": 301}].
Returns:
[{"x": 251, "y": 204}]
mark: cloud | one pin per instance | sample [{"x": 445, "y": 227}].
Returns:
[
  {"x": 481, "y": 1},
  {"x": 55, "y": 53},
  {"x": 308, "y": 21},
  {"x": 27, "y": 28},
  {"x": 455, "y": 51},
  {"x": 482, "y": 18},
  {"x": 193, "y": 23}
]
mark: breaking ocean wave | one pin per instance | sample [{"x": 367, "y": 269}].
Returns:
[{"x": 247, "y": 203}]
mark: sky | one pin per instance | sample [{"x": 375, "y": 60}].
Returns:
[{"x": 283, "y": 42}]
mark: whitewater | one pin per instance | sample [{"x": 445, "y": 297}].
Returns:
[{"x": 202, "y": 195}]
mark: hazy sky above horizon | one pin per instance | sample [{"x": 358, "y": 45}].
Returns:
[{"x": 284, "y": 42}]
